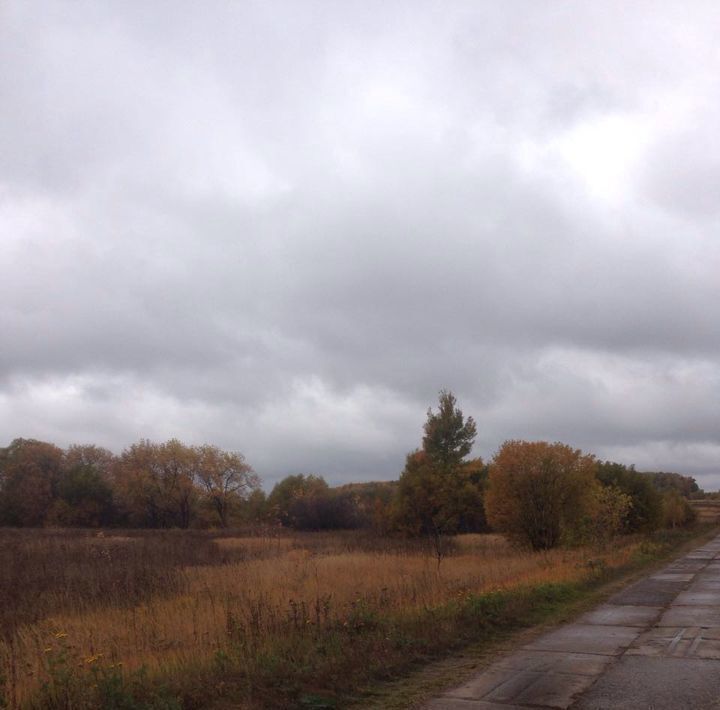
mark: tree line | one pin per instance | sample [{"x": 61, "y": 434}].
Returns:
[
  {"x": 149, "y": 485},
  {"x": 539, "y": 493}
]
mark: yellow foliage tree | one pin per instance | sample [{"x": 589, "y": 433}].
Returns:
[{"x": 538, "y": 492}]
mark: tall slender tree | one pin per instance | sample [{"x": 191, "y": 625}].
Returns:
[
  {"x": 449, "y": 437},
  {"x": 438, "y": 488}
]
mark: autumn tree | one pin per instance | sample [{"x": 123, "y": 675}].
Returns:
[
  {"x": 538, "y": 491},
  {"x": 676, "y": 511},
  {"x": 157, "y": 483},
  {"x": 664, "y": 482},
  {"x": 84, "y": 495},
  {"x": 149, "y": 485},
  {"x": 372, "y": 501},
  {"x": 179, "y": 466},
  {"x": 29, "y": 475},
  {"x": 226, "y": 478},
  {"x": 253, "y": 509},
  {"x": 306, "y": 502},
  {"x": 474, "y": 480},
  {"x": 328, "y": 509},
  {"x": 136, "y": 480},
  {"x": 438, "y": 488},
  {"x": 286, "y": 493},
  {"x": 610, "y": 511},
  {"x": 97, "y": 458},
  {"x": 645, "y": 513}
]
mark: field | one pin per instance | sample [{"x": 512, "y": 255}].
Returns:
[
  {"x": 708, "y": 511},
  {"x": 194, "y": 619}
]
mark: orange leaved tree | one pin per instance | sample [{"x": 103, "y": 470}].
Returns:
[{"x": 538, "y": 492}]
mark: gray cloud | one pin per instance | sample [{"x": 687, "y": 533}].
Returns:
[{"x": 282, "y": 228}]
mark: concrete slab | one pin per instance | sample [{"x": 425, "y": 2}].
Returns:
[
  {"x": 554, "y": 690},
  {"x": 709, "y": 577},
  {"x": 622, "y": 615},
  {"x": 590, "y": 664},
  {"x": 447, "y": 703},
  {"x": 649, "y": 592},
  {"x": 493, "y": 678},
  {"x": 586, "y": 638},
  {"x": 673, "y": 642},
  {"x": 686, "y": 616},
  {"x": 706, "y": 576},
  {"x": 705, "y": 585},
  {"x": 673, "y": 577},
  {"x": 685, "y": 566},
  {"x": 514, "y": 685},
  {"x": 636, "y": 682},
  {"x": 693, "y": 598}
]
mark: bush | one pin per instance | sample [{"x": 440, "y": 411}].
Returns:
[
  {"x": 539, "y": 492},
  {"x": 677, "y": 511},
  {"x": 646, "y": 510}
]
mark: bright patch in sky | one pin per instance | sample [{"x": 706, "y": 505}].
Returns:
[{"x": 603, "y": 154}]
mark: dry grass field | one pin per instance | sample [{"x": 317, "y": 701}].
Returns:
[
  {"x": 187, "y": 619},
  {"x": 708, "y": 511}
]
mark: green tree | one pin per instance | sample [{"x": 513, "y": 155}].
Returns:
[
  {"x": 438, "y": 490},
  {"x": 84, "y": 495},
  {"x": 646, "y": 510},
  {"x": 449, "y": 437},
  {"x": 664, "y": 481}
]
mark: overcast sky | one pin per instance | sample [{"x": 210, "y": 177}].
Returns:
[{"x": 282, "y": 227}]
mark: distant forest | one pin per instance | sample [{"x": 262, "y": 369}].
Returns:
[{"x": 441, "y": 491}]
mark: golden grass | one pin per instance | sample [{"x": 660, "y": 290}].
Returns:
[
  {"x": 264, "y": 545},
  {"x": 708, "y": 511},
  {"x": 284, "y": 586}
]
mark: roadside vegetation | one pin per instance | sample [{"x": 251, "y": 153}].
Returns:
[
  {"x": 190, "y": 619},
  {"x": 165, "y": 578}
]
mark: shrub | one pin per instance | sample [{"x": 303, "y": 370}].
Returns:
[{"x": 539, "y": 492}]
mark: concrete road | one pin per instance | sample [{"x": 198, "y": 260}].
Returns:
[{"x": 653, "y": 646}]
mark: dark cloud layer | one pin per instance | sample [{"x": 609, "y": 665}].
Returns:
[{"x": 283, "y": 227}]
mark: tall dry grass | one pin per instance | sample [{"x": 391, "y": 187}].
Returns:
[{"x": 174, "y": 601}]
